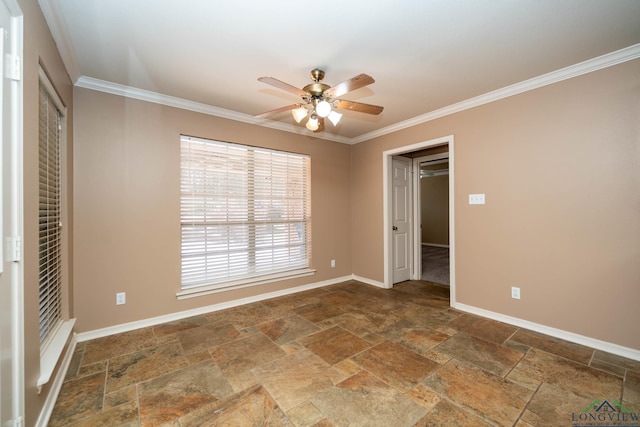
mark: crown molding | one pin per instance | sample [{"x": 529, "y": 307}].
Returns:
[
  {"x": 598, "y": 63},
  {"x": 591, "y": 65},
  {"x": 55, "y": 21},
  {"x": 185, "y": 104},
  {"x": 53, "y": 16}
]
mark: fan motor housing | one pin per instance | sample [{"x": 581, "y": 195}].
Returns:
[{"x": 316, "y": 89}]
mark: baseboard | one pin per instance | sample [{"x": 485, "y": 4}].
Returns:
[
  {"x": 56, "y": 385},
  {"x": 369, "y": 281},
  {"x": 144, "y": 323},
  {"x": 619, "y": 350}
]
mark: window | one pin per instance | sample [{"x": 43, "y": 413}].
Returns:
[
  {"x": 55, "y": 326},
  {"x": 245, "y": 215},
  {"x": 49, "y": 244}
]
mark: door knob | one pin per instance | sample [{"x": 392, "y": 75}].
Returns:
[{"x": 395, "y": 228}]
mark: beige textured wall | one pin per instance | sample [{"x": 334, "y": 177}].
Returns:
[
  {"x": 127, "y": 206},
  {"x": 39, "y": 47},
  {"x": 560, "y": 169},
  {"x": 434, "y": 209}
]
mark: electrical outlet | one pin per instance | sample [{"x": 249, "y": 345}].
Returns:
[
  {"x": 121, "y": 298},
  {"x": 333, "y": 263},
  {"x": 515, "y": 292}
]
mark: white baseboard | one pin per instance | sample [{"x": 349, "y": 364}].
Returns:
[
  {"x": 619, "y": 350},
  {"x": 369, "y": 281},
  {"x": 56, "y": 385},
  {"x": 126, "y": 327}
]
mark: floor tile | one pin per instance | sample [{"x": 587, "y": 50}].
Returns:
[
  {"x": 171, "y": 328},
  {"x": 117, "y": 345},
  {"x": 125, "y": 415},
  {"x": 419, "y": 340},
  {"x": 447, "y": 414},
  {"x": 305, "y": 415},
  {"x": 567, "y": 374},
  {"x": 552, "y": 405},
  {"x": 418, "y": 317},
  {"x": 284, "y": 306},
  {"x": 557, "y": 346},
  {"x": 487, "y": 329},
  {"x": 614, "y": 359},
  {"x": 335, "y": 344},
  {"x": 144, "y": 364},
  {"x": 396, "y": 365},
  {"x": 295, "y": 378},
  {"x": 242, "y": 355},
  {"x": 357, "y": 323},
  {"x": 608, "y": 367},
  {"x": 207, "y": 336},
  {"x": 164, "y": 399},
  {"x": 487, "y": 394},
  {"x": 244, "y": 316},
  {"x": 319, "y": 311},
  {"x": 117, "y": 398},
  {"x": 631, "y": 392},
  {"x": 364, "y": 355},
  {"x": 252, "y": 407},
  {"x": 424, "y": 396},
  {"x": 78, "y": 399},
  {"x": 484, "y": 354},
  {"x": 365, "y": 400},
  {"x": 287, "y": 329}
]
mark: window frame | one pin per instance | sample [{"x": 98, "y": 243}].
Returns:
[
  {"x": 200, "y": 167},
  {"x": 52, "y": 347}
]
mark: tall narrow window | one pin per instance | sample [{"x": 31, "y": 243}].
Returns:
[
  {"x": 245, "y": 214},
  {"x": 50, "y": 287}
]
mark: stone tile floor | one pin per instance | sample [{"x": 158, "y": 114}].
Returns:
[{"x": 344, "y": 355}]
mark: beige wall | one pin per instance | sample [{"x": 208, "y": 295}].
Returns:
[
  {"x": 39, "y": 47},
  {"x": 127, "y": 206},
  {"x": 559, "y": 167},
  {"x": 434, "y": 209}
]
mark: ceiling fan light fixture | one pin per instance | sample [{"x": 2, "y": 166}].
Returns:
[
  {"x": 312, "y": 123},
  {"x": 299, "y": 113},
  {"x": 323, "y": 109},
  {"x": 334, "y": 117}
]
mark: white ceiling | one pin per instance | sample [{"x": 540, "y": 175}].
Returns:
[{"x": 425, "y": 55}]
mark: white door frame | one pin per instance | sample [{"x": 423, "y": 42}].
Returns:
[
  {"x": 387, "y": 206},
  {"x": 13, "y": 269}
]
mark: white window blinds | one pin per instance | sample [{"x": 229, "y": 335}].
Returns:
[
  {"x": 49, "y": 246},
  {"x": 245, "y": 212}
]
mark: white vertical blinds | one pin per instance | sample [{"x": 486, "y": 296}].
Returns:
[
  {"x": 245, "y": 212},
  {"x": 50, "y": 262}
]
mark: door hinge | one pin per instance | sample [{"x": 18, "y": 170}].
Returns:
[
  {"x": 13, "y": 248},
  {"x": 13, "y": 68}
]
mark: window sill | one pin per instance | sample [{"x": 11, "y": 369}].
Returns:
[
  {"x": 49, "y": 358},
  {"x": 245, "y": 283}
]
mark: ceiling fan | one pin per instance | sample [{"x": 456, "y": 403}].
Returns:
[{"x": 319, "y": 99}]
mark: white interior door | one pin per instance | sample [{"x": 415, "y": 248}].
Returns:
[
  {"x": 11, "y": 387},
  {"x": 401, "y": 219}
]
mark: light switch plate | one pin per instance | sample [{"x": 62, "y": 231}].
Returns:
[{"x": 476, "y": 199}]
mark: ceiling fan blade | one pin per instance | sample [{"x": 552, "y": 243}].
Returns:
[
  {"x": 320, "y": 125},
  {"x": 276, "y": 111},
  {"x": 282, "y": 85},
  {"x": 347, "y": 86},
  {"x": 358, "y": 106}
]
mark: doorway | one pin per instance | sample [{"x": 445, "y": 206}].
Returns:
[
  {"x": 432, "y": 216},
  {"x": 388, "y": 211}
]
